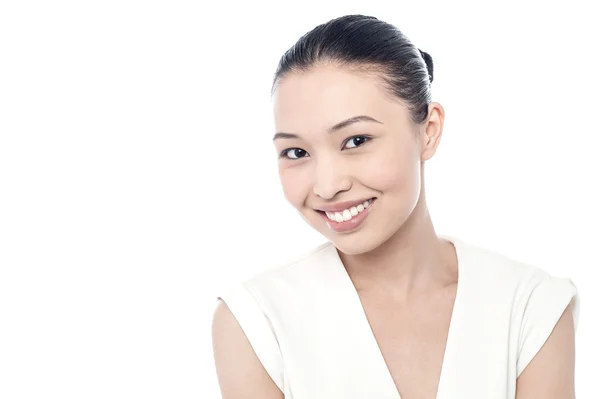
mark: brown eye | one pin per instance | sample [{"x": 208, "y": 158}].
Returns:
[
  {"x": 293, "y": 153},
  {"x": 356, "y": 141}
]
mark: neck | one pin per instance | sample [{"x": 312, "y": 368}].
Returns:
[{"x": 414, "y": 261}]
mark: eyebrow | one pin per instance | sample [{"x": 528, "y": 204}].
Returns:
[{"x": 334, "y": 128}]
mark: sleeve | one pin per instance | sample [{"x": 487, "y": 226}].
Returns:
[
  {"x": 545, "y": 306},
  {"x": 257, "y": 328}
]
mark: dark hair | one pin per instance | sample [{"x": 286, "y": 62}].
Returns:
[{"x": 367, "y": 44}]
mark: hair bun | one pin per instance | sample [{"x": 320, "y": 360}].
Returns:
[{"x": 429, "y": 63}]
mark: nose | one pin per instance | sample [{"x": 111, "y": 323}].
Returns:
[{"x": 330, "y": 178}]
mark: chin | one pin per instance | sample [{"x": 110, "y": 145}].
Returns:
[
  {"x": 366, "y": 239},
  {"x": 353, "y": 246},
  {"x": 356, "y": 243}
]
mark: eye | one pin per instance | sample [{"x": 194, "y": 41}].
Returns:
[
  {"x": 293, "y": 153},
  {"x": 356, "y": 141}
]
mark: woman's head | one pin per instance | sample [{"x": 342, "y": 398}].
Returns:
[{"x": 355, "y": 121}]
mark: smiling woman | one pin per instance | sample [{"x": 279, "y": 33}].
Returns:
[{"x": 386, "y": 308}]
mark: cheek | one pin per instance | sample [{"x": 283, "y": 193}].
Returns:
[
  {"x": 393, "y": 171},
  {"x": 296, "y": 187}
]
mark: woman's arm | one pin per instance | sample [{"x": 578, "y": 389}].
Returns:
[
  {"x": 551, "y": 373},
  {"x": 240, "y": 373}
]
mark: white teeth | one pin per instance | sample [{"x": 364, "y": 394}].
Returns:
[{"x": 348, "y": 214}]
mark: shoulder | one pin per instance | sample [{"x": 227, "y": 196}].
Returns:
[
  {"x": 535, "y": 302},
  {"x": 505, "y": 275},
  {"x": 247, "y": 323},
  {"x": 277, "y": 288},
  {"x": 292, "y": 276},
  {"x": 527, "y": 286},
  {"x": 295, "y": 265}
]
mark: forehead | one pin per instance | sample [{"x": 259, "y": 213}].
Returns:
[{"x": 321, "y": 97}]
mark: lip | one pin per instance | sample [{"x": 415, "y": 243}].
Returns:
[
  {"x": 340, "y": 206},
  {"x": 348, "y": 225}
]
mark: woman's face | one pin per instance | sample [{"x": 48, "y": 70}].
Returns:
[{"x": 342, "y": 140}]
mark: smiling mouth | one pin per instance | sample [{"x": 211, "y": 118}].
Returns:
[
  {"x": 351, "y": 219},
  {"x": 348, "y": 214}
]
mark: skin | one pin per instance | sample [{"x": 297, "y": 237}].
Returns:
[{"x": 395, "y": 259}]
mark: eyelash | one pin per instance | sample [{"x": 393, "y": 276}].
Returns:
[{"x": 283, "y": 153}]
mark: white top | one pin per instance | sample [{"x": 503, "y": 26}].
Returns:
[{"x": 307, "y": 326}]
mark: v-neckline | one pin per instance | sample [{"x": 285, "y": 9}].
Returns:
[{"x": 453, "y": 319}]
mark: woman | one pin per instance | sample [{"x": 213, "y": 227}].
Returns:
[{"x": 386, "y": 308}]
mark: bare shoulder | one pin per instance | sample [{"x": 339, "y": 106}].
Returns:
[
  {"x": 550, "y": 374},
  {"x": 240, "y": 372}
]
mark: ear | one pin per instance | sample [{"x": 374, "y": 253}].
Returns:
[{"x": 432, "y": 131}]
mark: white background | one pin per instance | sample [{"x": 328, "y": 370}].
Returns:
[{"x": 138, "y": 176}]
